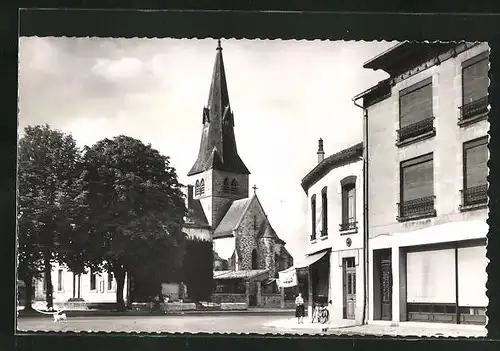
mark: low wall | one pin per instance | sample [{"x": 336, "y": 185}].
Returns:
[
  {"x": 165, "y": 307},
  {"x": 232, "y": 306},
  {"x": 228, "y": 298}
]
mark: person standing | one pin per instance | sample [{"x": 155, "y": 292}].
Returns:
[{"x": 300, "y": 311}]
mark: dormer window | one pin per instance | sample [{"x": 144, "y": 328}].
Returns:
[
  {"x": 225, "y": 186},
  {"x": 202, "y": 187},
  {"x": 197, "y": 188},
  {"x": 234, "y": 187}
]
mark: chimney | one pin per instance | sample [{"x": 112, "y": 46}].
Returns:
[{"x": 321, "y": 152}]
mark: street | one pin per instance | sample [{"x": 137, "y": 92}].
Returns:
[
  {"x": 241, "y": 323},
  {"x": 238, "y": 323}
]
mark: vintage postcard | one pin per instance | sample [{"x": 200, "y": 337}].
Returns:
[{"x": 252, "y": 186}]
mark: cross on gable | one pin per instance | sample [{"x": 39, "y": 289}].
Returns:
[{"x": 254, "y": 189}]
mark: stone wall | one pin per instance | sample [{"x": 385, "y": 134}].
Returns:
[{"x": 227, "y": 298}]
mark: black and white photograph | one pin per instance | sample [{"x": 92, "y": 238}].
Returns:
[{"x": 226, "y": 185}]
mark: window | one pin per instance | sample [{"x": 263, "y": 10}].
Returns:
[
  {"x": 110, "y": 281},
  {"x": 475, "y": 171},
  {"x": 474, "y": 89},
  {"x": 225, "y": 186},
  {"x": 324, "y": 212},
  {"x": 348, "y": 185},
  {"x": 59, "y": 280},
  {"x": 202, "y": 187},
  {"x": 416, "y": 119},
  {"x": 313, "y": 217},
  {"x": 234, "y": 187},
  {"x": 255, "y": 264},
  {"x": 197, "y": 188},
  {"x": 93, "y": 276},
  {"x": 417, "y": 188}
]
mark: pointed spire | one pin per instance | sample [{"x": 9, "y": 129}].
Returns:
[{"x": 218, "y": 144}]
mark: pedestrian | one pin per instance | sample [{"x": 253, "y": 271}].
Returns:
[{"x": 300, "y": 308}]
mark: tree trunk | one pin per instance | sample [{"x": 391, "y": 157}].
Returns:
[
  {"x": 28, "y": 297},
  {"x": 49, "y": 289},
  {"x": 120, "y": 283}
]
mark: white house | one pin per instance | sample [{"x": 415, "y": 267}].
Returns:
[
  {"x": 426, "y": 144},
  {"x": 334, "y": 188}
]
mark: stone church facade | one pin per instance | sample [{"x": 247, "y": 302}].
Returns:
[{"x": 247, "y": 250}]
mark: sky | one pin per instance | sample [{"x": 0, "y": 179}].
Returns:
[{"x": 285, "y": 95}]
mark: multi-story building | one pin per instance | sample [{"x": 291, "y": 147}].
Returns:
[
  {"x": 426, "y": 146},
  {"x": 334, "y": 188}
]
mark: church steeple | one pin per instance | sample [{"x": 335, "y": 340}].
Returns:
[{"x": 218, "y": 144}]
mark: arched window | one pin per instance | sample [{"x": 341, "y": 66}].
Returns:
[
  {"x": 324, "y": 212},
  {"x": 202, "y": 187},
  {"x": 225, "y": 186},
  {"x": 313, "y": 217},
  {"x": 234, "y": 187},
  {"x": 255, "y": 263},
  {"x": 197, "y": 188},
  {"x": 348, "y": 185}
]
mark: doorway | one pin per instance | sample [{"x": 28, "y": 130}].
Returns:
[
  {"x": 349, "y": 284},
  {"x": 386, "y": 284}
]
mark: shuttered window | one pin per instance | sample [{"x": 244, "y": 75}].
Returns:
[
  {"x": 475, "y": 162},
  {"x": 324, "y": 211},
  {"x": 417, "y": 178},
  {"x": 349, "y": 204},
  {"x": 415, "y": 103},
  {"x": 313, "y": 216},
  {"x": 475, "y": 78}
]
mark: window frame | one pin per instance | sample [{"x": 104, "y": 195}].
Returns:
[
  {"x": 428, "y": 129},
  {"x": 401, "y": 217},
  {"x": 93, "y": 281},
  {"x": 234, "y": 187},
  {"x": 324, "y": 212},
  {"x": 347, "y": 185},
  {"x": 482, "y": 111},
  {"x": 470, "y": 144},
  {"x": 313, "y": 217},
  {"x": 225, "y": 186},
  {"x": 202, "y": 186},
  {"x": 60, "y": 284}
]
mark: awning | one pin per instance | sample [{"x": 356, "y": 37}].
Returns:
[
  {"x": 225, "y": 247},
  {"x": 310, "y": 259}
]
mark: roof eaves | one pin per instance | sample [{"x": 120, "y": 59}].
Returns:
[{"x": 330, "y": 163}]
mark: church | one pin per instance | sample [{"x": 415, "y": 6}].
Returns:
[{"x": 248, "y": 254}]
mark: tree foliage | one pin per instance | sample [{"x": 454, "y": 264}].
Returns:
[
  {"x": 135, "y": 208},
  {"x": 198, "y": 269},
  {"x": 47, "y": 171}
]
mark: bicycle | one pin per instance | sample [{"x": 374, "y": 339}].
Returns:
[{"x": 321, "y": 314}]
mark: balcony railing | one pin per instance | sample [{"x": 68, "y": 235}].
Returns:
[
  {"x": 324, "y": 232},
  {"x": 312, "y": 237},
  {"x": 350, "y": 225},
  {"x": 416, "y": 129},
  {"x": 473, "y": 109},
  {"x": 422, "y": 207},
  {"x": 474, "y": 196}
]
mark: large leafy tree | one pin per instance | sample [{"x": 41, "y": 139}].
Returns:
[
  {"x": 135, "y": 205},
  {"x": 47, "y": 170}
]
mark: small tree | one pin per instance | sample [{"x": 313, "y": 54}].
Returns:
[
  {"x": 198, "y": 269},
  {"x": 135, "y": 202},
  {"x": 47, "y": 162}
]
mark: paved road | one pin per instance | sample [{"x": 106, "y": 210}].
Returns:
[{"x": 206, "y": 324}]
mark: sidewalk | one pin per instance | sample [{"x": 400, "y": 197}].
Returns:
[{"x": 346, "y": 327}]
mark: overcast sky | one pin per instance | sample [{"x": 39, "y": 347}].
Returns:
[{"x": 285, "y": 96}]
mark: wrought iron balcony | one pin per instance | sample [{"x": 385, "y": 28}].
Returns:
[
  {"x": 351, "y": 225},
  {"x": 312, "y": 237},
  {"x": 411, "y": 209},
  {"x": 416, "y": 129},
  {"x": 324, "y": 233},
  {"x": 473, "y": 109},
  {"x": 474, "y": 196}
]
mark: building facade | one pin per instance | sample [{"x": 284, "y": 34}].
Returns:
[
  {"x": 223, "y": 208},
  {"x": 334, "y": 188},
  {"x": 90, "y": 287},
  {"x": 426, "y": 145}
]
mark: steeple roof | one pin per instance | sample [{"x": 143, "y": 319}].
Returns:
[{"x": 218, "y": 144}]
